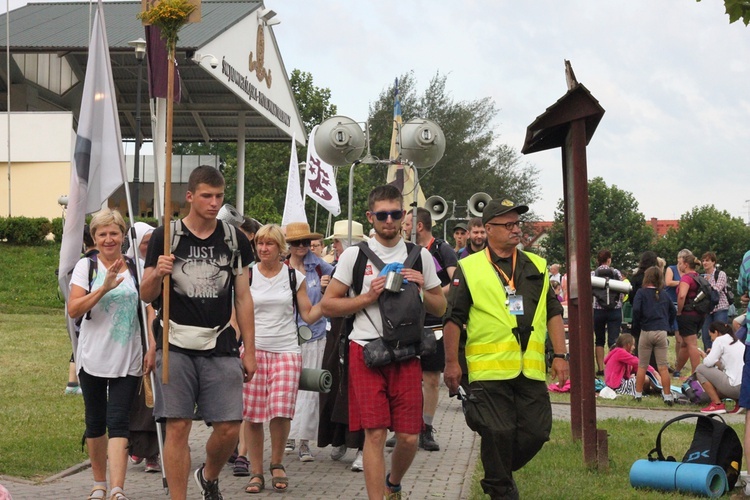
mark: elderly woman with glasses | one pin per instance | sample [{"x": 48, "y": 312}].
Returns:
[
  {"x": 317, "y": 275},
  {"x": 279, "y": 298}
]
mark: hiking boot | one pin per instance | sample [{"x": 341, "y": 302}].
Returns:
[
  {"x": 153, "y": 465},
  {"x": 357, "y": 465},
  {"x": 290, "y": 446},
  {"x": 714, "y": 409},
  {"x": 304, "y": 453},
  {"x": 427, "y": 440},
  {"x": 391, "y": 442},
  {"x": 209, "y": 489},
  {"x": 338, "y": 452}
]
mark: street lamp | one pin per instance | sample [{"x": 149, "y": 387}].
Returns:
[{"x": 140, "y": 54}]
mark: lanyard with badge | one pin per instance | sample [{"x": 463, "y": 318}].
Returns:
[{"x": 512, "y": 301}]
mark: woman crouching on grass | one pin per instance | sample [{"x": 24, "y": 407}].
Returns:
[
  {"x": 653, "y": 313},
  {"x": 620, "y": 365},
  {"x": 109, "y": 353},
  {"x": 720, "y": 374}
]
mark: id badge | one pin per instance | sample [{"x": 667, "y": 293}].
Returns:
[{"x": 516, "y": 305}]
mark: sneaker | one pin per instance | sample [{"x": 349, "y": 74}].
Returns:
[
  {"x": 153, "y": 465},
  {"x": 676, "y": 374},
  {"x": 209, "y": 489},
  {"x": 714, "y": 409},
  {"x": 357, "y": 465},
  {"x": 391, "y": 442},
  {"x": 73, "y": 390},
  {"x": 135, "y": 460},
  {"x": 427, "y": 439},
  {"x": 304, "y": 453},
  {"x": 392, "y": 492},
  {"x": 737, "y": 408},
  {"x": 241, "y": 467},
  {"x": 290, "y": 445},
  {"x": 338, "y": 452}
]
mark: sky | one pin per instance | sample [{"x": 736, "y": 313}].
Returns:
[{"x": 671, "y": 75}]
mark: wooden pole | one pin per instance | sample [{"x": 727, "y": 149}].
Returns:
[{"x": 167, "y": 211}]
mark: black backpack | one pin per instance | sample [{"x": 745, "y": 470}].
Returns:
[
  {"x": 714, "y": 443},
  {"x": 402, "y": 312},
  {"x": 727, "y": 291},
  {"x": 708, "y": 301},
  {"x": 606, "y": 297}
]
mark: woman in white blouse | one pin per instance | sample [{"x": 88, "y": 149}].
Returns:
[{"x": 720, "y": 374}]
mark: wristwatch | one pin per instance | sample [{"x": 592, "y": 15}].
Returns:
[{"x": 565, "y": 356}]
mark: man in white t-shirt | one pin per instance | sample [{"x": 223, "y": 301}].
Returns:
[{"x": 389, "y": 396}]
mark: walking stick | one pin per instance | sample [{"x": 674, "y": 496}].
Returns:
[{"x": 167, "y": 212}]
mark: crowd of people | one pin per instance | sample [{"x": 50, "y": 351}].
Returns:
[{"x": 246, "y": 310}]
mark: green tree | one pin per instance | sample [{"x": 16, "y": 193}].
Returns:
[
  {"x": 736, "y": 10},
  {"x": 615, "y": 224},
  {"x": 706, "y": 229},
  {"x": 313, "y": 102}
]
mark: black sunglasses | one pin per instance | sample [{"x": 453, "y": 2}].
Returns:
[
  {"x": 383, "y": 216},
  {"x": 300, "y": 243}
]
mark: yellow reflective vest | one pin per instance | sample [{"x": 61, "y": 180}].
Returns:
[{"x": 492, "y": 351}]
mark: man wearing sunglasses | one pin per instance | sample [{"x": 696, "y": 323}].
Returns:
[
  {"x": 503, "y": 296},
  {"x": 389, "y": 396}
]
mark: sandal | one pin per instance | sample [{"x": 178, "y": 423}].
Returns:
[
  {"x": 279, "y": 483},
  {"x": 94, "y": 496},
  {"x": 260, "y": 485},
  {"x": 241, "y": 466},
  {"x": 118, "y": 496}
]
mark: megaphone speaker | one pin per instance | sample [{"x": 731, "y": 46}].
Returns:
[
  {"x": 437, "y": 207},
  {"x": 477, "y": 202},
  {"x": 339, "y": 141},
  {"x": 230, "y": 215}
]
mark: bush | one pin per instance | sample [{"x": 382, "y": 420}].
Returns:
[
  {"x": 57, "y": 228},
  {"x": 26, "y": 231},
  {"x": 2, "y": 228}
]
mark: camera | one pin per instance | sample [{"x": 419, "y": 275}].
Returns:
[{"x": 214, "y": 63}]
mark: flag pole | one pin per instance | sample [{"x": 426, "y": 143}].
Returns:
[{"x": 167, "y": 210}]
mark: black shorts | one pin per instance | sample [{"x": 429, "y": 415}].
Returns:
[
  {"x": 689, "y": 324},
  {"x": 434, "y": 362}
]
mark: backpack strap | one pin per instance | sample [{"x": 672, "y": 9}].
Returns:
[
  {"x": 293, "y": 287},
  {"x": 657, "y": 449},
  {"x": 230, "y": 239},
  {"x": 177, "y": 233}
]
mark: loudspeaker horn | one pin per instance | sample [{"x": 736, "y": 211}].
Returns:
[
  {"x": 437, "y": 207},
  {"x": 477, "y": 202},
  {"x": 339, "y": 141},
  {"x": 230, "y": 215},
  {"x": 422, "y": 142}
]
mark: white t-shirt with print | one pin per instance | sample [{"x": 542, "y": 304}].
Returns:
[
  {"x": 364, "y": 330},
  {"x": 109, "y": 344},
  {"x": 275, "y": 325}
]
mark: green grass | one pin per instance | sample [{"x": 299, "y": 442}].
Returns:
[
  {"x": 41, "y": 427},
  {"x": 27, "y": 282},
  {"x": 558, "y": 470}
]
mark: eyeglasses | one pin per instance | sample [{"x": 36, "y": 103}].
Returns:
[
  {"x": 300, "y": 243},
  {"x": 383, "y": 216},
  {"x": 508, "y": 225}
]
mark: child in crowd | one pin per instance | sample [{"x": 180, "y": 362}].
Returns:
[
  {"x": 620, "y": 366},
  {"x": 653, "y": 313}
]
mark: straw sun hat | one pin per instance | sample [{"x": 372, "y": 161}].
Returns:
[
  {"x": 296, "y": 231},
  {"x": 341, "y": 231}
]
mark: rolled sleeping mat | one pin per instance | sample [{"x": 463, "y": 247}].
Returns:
[
  {"x": 315, "y": 380},
  {"x": 696, "y": 479},
  {"x": 616, "y": 285}
]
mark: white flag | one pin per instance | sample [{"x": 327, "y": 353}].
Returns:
[
  {"x": 294, "y": 207},
  {"x": 320, "y": 180},
  {"x": 97, "y": 165}
]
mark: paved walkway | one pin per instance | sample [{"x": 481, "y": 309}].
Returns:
[{"x": 443, "y": 474}]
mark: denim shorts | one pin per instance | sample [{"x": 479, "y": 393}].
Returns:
[{"x": 211, "y": 385}]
